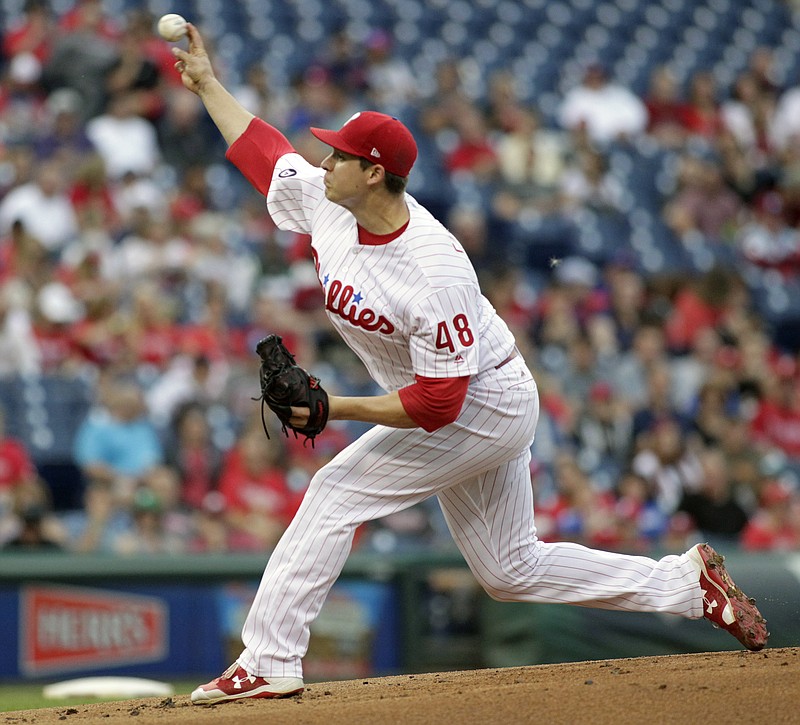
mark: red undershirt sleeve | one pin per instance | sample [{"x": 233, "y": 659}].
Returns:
[
  {"x": 256, "y": 152},
  {"x": 433, "y": 403}
]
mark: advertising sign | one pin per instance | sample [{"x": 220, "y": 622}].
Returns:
[{"x": 64, "y": 629}]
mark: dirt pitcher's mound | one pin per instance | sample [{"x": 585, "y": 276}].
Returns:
[{"x": 739, "y": 687}]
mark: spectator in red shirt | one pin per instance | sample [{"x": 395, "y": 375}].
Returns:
[
  {"x": 260, "y": 504},
  {"x": 99, "y": 336},
  {"x": 23, "y": 494},
  {"x": 89, "y": 14},
  {"x": 473, "y": 154},
  {"x": 666, "y": 109},
  {"x": 777, "y": 420},
  {"x": 32, "y": 33},
  {"x": 154, "y": 335},
  {"x": 194, "y": 455},
  {"x": 92, "y": 198},
  {"x": 56, "y": 315},
  {"x": 775, "y": 526},
  {"x": 703, "y": 116},
  {"x": 16, "y": 466},
  {"x": 709, "y": 302},
  {"x": 190, "y": 197}
]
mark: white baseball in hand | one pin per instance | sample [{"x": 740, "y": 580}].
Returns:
[{"x": 172, "y": 27}]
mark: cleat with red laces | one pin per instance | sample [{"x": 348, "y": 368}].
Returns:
[
  {"x": 236, "y": 684},
  {"x": 724, "y": 604}
]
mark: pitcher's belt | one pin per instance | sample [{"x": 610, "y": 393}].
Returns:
[{"x": 513, "y": 354}]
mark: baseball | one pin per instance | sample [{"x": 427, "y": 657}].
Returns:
[{"x": 172, "y": 27}]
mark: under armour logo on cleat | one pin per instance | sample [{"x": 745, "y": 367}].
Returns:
[{"x": 237, "y": 681}]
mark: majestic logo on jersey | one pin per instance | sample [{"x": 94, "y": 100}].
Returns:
[
  {"x": 342, "y": 299},
  {"x": 286, "y": 173}
]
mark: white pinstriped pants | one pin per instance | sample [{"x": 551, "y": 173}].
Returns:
[{"x": 479, "y": 468}]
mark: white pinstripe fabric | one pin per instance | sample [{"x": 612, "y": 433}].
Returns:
[{"x": 478, "y": 466}]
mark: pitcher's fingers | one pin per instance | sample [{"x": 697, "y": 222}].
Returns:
[
  {"x": 180, "y": 54},
  {"x": 195, "y": 40}
]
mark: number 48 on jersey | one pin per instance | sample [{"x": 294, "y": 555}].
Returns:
[{"x": 459, "y": 326}]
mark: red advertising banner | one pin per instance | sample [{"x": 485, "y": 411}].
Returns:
[{"x": 68, "y": 628}]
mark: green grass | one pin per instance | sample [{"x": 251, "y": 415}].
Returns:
[{"x": 28, "y": 696}]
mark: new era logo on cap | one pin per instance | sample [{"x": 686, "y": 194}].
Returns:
[{"x": 374, "y": 135}]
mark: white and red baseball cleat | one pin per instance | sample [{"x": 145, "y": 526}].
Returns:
[
  {"x": 724, "y": 604},
  {"x": 236, "y": 684}
]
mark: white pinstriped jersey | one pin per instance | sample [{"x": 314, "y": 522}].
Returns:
[{"x": 409, "y": 307}]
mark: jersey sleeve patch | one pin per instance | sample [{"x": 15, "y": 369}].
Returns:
[{"x": 295, "y": 192}]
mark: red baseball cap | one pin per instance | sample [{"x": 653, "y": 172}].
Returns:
[{"x": 376, "y": 137}]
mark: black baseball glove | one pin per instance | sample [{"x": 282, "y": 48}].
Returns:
[{"x": 285, "y": 384}]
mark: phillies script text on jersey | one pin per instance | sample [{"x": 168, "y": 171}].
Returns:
[{"x": 336, "y": 301}]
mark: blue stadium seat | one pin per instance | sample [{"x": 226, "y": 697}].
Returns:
[{"x": 43, "y": 412}]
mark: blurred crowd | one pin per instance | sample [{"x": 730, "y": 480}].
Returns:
[{"x": 138, "y": 268}]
